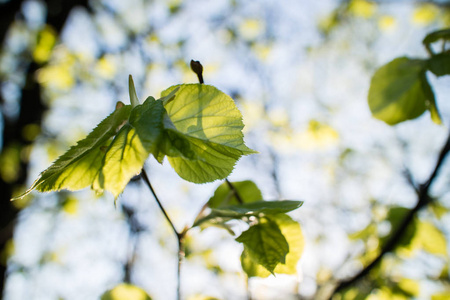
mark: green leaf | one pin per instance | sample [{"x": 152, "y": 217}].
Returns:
[
  {"x": 205, "y": 132},
  {"x": 265, "y": 244},
  {"x": 125, "y": 291},
  {"x": 79, "y": 167},
  {"x": 132, "y": 91},
  {"x": 399, "y": 91},
  {"x": 124, "y": 159},
  {"x": 443, "y": 34},
  {"x": 247, "y": 210},
  {"x": 439, "y": 64},
  {"x": 292, "y": 232},
  {"x": 247, "y": 190}
]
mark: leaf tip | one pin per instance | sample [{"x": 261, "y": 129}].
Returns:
[{"x": 132, "y": 91}]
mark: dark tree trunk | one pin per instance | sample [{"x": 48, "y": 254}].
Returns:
[{"x": 31, "y": 111}]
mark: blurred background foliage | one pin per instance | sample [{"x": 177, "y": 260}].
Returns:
[{"x": 298, "y": 70}]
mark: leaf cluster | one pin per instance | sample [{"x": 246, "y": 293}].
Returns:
[
  {"x": 198, "y": 128},
  {"x": 273, "y": 242}
]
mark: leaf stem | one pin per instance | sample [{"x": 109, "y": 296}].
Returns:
[
  {"x": 234, "y": 190},
  {"x": 180, "y": 235},
  {"x": 147, "y": 181}
]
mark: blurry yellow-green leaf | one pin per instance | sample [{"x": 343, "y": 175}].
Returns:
[
  {"x": 46, "y": 40},
  {"x": 7, "y": 251},
  {"x": 278, "y": 117},
  {"x": 352, "y": 293},
  {"x": 31, "y": 131},
  {"x": 400, "y": 91},
  {"x": 409, "y": 286},
  {"x": 201, "y": 297},
  {"x": 106, "y": 67},
  {"x": 362, "y": 8},
  {"x": 385, "y": 293},
  {"x": 318, "y": 136},
  {"x": 262, "y": 51},
  {"x": 10, "y": 163},
  {"x": 70, "y": 206},
  {"x": 441, "y": 296},
  {"x": 250, "y": 29},
  {"x": 437, "y": 209},
  {"x": 365, "y": 233},
  {"x": 387, "y": 23},
  {"x": 126, "y": 291},
  {"x": 328, "y": 23},
  {"x": 431, "y": 238},
  {"x": 424, "y": 14},
  {"x": 223, "y": 195},
  {"x": 372, "y": 250},
  {"x": 56, "y": 76}
]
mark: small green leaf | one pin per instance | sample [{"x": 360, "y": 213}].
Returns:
[
  {"x": 125, "y": 291},
  {"x": 223, "y": 195},
  {"x": 439, "y": 64},
  {"x": 292, "y": 232},
  {"x": 443, "y": 34},
  {"x": 132, "y": 91},
  {"x": 397, "y": 93},
  {"x": 246, "y": 210},
  {"x": 205, "y": 125},
  {"x": 265, "y": 244},
  {"x": 80, "y": 165}
]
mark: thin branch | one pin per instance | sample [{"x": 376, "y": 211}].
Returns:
[
  {"x": 180, "y": 235},
  {"x": 147, "y": 181},
  {"x": 234, "y": 190},
  {"x": 392, "y": 243}
]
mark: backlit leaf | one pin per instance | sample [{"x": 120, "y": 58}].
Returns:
[
  {"x": 399, "y": 91},
  {"x": 211, "y": 126},
  {"x": 81, "y": 164},
  {"x": 265, "y": 244},
  {"x": 124, "y": 159},
  {"x": 431, "y": 238},
  {"x": 292, "y": 232},
  {"x": 125, "y": 291},
  {"x": 441, "y": 296},
  {"x": 223, "y": 196}
]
